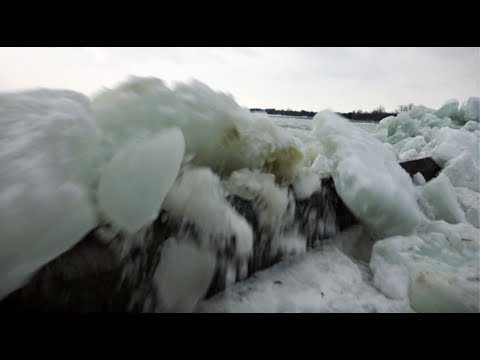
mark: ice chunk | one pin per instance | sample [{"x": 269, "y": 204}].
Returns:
[
  {"x": 135, "y": 182},
  {"x": 391, "y": 279},
  {"x": 48, "y": 142},
  {"x": 401, "y": 127},
  {"x": 37, "y": 225},
  {"x": 463, "y": 171},
  {"x": 470, "y": 110},
  {"x": 183, "y": 275},
  {"x": 367, "y": 177},
  {"x": 470, "y": 202},
  {"x": 381, "y": 131},
  {"x": 221, "y": 134},
  {"x": 197, "y": 196},
  {"x": 418, "y": 179},
  {"x": 408, "y": 155},
  {"x": 306, "y": 185},
  {"x": 471, "y": 126},
  {"x": 321, "y": 165},
  {"x": 448, "y": 110},
  {"x": 418, "y": 111},
  {"x": 399, "y": 145},
  {"x": 260, "y": 187},
  {"x": 442, "y": 267},
  {"x": 416, "y": 143},
  {"x": 452, "y": 143},
  {"x": 391, "y": 148},
  {"x": 439, "y": 201}
]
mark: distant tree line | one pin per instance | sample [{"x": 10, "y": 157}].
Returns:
[{"x": 376, "y": 114}]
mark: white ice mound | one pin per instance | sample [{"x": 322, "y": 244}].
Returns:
[
  {"x": 198, "y": 197},
  {"x": 135, "y": 182},
  {"x": 220, "y": 133},
  {"x": 47, "y": 144},
  {"x": 183, "y": 275},
  {"x": 367, "y": 176},
  {"x": 438, "y": 269}
]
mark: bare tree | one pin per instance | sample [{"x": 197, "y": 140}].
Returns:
[
  {"x": 404, "y": 108},
  {"x": 379, "y": 110}
]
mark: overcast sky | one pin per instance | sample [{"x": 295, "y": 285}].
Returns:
[{"x": 341, "y": 79}]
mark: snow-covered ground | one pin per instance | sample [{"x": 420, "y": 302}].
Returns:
[
  {"x": 70, "y": 163},
  {"x": 323, "y": 280}
]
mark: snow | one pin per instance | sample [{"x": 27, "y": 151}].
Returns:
[
  {"x": 135, "y": 182},
  {"x": 323, "y": 280}
]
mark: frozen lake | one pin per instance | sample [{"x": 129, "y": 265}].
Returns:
[{"x": 303, "y": 123}]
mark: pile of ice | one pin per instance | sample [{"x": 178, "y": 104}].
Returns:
[
  {"x": 70, "y": 164},
  {"x": 420, "y": 240},
  {"x": 438, "y": 267},
  {"x": 431, "y": 255},
  {"x": 423, "y": 132}
]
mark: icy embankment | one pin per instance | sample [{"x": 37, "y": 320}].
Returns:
[{"x": 71, "y": 165}]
